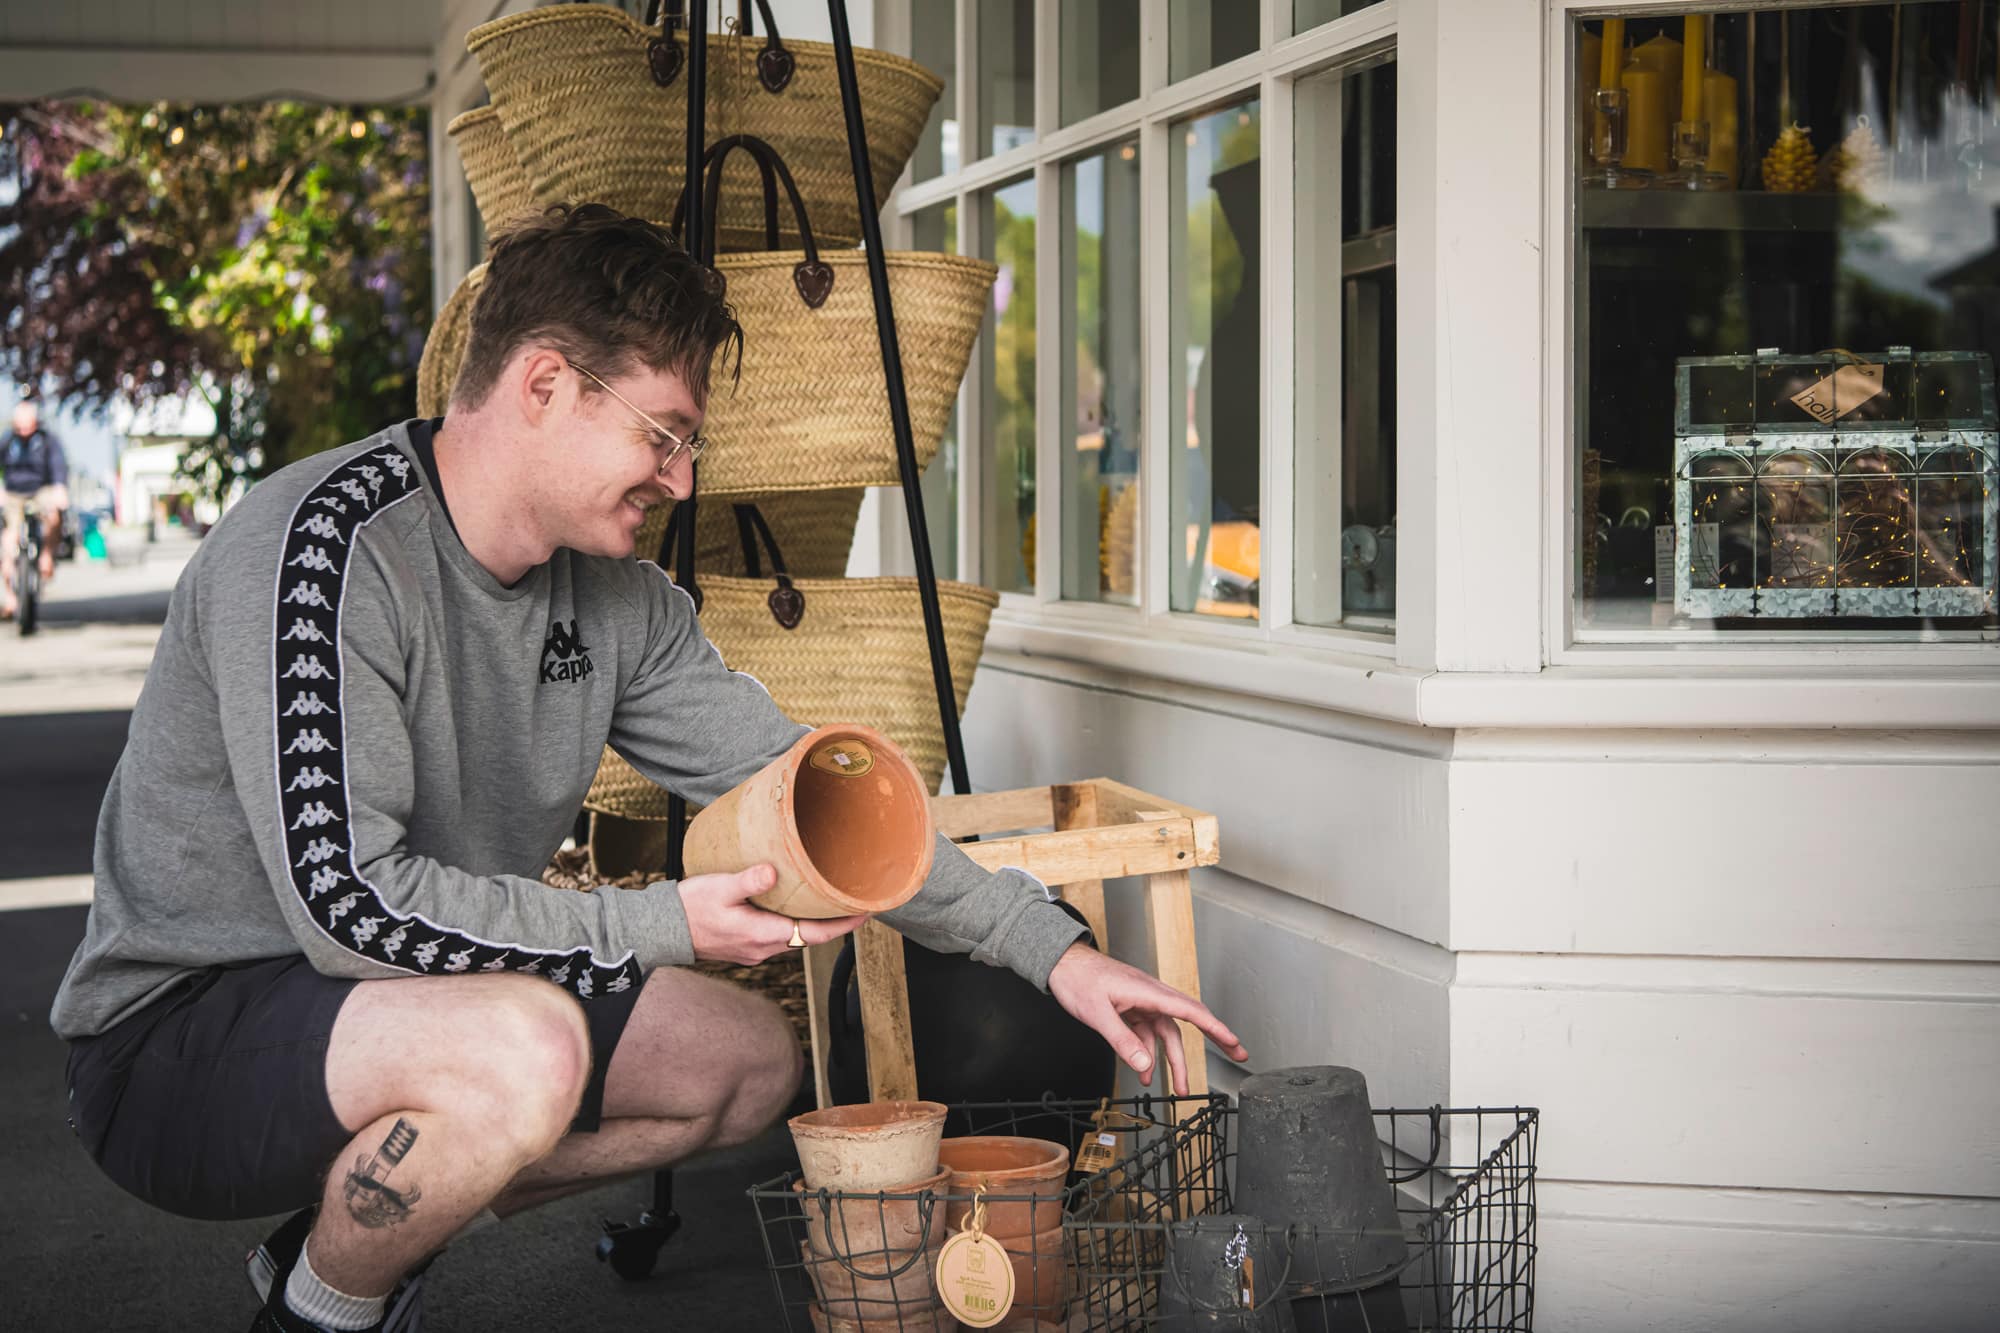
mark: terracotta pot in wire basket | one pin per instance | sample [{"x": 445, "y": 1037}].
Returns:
[
  {"x": 854, "y": 651},
  {"x": 810, "y": 411},
  {"x": 500, "y": 187},
  {"x": 595, "y": 105}
]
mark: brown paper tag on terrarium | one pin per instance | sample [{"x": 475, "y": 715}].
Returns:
[
  {"x": 1840, "y": 393},
  {"x": 975, "y": 1279},
  {"x": 850, "y": 759}
]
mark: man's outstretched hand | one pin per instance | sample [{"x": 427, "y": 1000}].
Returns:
[
  {"x": 728, "y": 928},
  {"x": 1132, "y": 1010}
]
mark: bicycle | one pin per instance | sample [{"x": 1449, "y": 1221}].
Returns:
[{"x": 28, "y": 571}]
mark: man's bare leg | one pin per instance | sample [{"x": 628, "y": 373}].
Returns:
[
  {"x": 454, "y": 1085},
  {"x": 702, "y": 1065}
]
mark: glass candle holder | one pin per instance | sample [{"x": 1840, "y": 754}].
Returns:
[
  {"x": 1607, "y": 145},
  {"x": 1690, "y": 151}
]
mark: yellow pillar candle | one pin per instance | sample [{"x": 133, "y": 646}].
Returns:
[
  {"x": 1611, "y": 55},
  {"x": 1646, "y": 125},
  {"x": 1694, "y": 47},
  {"x": 1662, "y": 55},
  {"x": 1718, "y": 94}
]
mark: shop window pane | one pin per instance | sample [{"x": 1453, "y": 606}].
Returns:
[
  {"x": 1214, "y": 356},
  {"x": 1754, "y": 189},
  {"x": 1101, "y": 367},
  {"x": 934, "y": 45},
  {"x": 935, "y": 229},
  {"x": 1006, "y": 75},
  {"x": 1007, "y": 422},
  {"x": 1202, "y": 34},
  {"x": 1345, "y": 391},
  {"x": 1099, "y": 52},
  {"x": 1308, "y": 14}
]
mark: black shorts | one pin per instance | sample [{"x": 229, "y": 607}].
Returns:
[{"x": 211, "y": 1101}]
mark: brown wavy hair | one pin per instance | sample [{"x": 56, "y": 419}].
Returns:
[{"x": 608, "y": 291}]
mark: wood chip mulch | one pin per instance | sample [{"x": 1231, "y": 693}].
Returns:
[{"x": 781, "y": 979}]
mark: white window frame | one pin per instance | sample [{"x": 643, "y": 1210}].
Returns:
[
  {"x": 1267, "y": 74},
  {"x": 1682, "y": 649}
]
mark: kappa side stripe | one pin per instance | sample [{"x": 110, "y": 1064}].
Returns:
[{"x": 312, "y": 767}]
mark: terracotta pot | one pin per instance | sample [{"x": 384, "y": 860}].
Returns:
[
  {"x": 863, "y": 1227},
  {"x": 842, "y": 815},
  {"x": 932, "y": 1320},
  {"x": 1041, "y": 1277},
  {"x": 871, "y": 1147},
  {"x": 1005, "y": 1165},
  {"x": 875, "y": 1286}
]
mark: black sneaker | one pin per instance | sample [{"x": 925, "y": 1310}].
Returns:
[{"x": 270, "y": 1265}]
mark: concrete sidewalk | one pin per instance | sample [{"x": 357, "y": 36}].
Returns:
[{"x": 77, "y": 1253}]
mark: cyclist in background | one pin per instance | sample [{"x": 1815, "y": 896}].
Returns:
[{"x": 34, "y": 469}]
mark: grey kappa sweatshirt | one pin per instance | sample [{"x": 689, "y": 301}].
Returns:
[{"x": 356, "y": 744}]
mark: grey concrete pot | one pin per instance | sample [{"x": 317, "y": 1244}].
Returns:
[
  {"x": 1203, "y": 1280},
  {"x": 1307, "y": 1156}
]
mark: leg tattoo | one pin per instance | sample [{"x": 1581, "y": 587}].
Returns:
[{"x": 369, "y": 1199}]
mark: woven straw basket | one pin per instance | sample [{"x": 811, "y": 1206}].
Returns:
[
  {"x": 812, "y": 411},
  {"x": 858, "y": 655},
  {"x": 499, "y": 186},
  {"x": 444, "y": 349},
  {"x": 815, "y": 527},
  {"x": 574, "y": 86}
]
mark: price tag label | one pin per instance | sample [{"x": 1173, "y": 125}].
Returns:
[
  {"x": 1840, "y": 393},
  {"x": 850, "y": 759},
  {"x": 975, "y": 1279},
  {"x": 1097, "y": 1151}
]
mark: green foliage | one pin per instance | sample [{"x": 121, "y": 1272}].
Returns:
[{"x": 282, "y": 251}]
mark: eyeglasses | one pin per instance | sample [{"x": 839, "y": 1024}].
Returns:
[{"x": 695, "y": 444}]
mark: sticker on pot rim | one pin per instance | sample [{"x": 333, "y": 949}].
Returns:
[
  {"x": 975, "y": 1279},
  {"x": 849, "y": 758}
]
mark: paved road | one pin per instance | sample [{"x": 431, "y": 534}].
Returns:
[{"x": 77, "y": 1253}]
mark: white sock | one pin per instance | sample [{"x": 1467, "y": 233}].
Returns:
[{"x": 311, "y": 1298}]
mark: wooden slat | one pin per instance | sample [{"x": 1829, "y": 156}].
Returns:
[
  {"x": 1170, "y": 921},
  {"x": 1117, "y": 803},
  {"x": 1075, "y": 807},
  {"x": 819, "y": 973},
  {"x": 885, "y": 1013},
  {"x": 992, "y": 812},
  {"x": 1058, "y": 859}
]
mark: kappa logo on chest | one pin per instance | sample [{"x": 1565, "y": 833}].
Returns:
[{"x": 564, "y": 654}]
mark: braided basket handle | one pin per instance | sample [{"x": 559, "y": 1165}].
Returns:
[
  {"x": 679, "y": 223},
  {"x": 813, "y": 278},
  {"x": 788, "y": 604},
  {"x": 775, "y": 65}
]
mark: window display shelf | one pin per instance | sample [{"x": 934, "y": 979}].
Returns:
[{"x": 1679, "y": 210}]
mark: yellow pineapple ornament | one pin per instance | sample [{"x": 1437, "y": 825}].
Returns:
[
  {"x": 1791, "y": 166},
  {"x": 1857, "y": 165}
]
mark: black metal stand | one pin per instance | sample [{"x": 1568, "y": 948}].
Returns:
[{"x": 632, "y": 1248}]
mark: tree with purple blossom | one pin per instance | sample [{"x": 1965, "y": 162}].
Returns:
[{"x": 275, "y": 257}]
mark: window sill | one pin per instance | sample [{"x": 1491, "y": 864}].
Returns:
[{"x": 1647, "y": 697}]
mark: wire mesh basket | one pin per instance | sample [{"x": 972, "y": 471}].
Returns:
[{"x": 1101, "y": 1255}]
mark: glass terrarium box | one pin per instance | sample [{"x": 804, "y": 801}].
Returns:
[{"x": 1836, "y": 484}]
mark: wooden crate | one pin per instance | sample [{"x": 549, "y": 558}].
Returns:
[{"x": 1096, "y": 830}]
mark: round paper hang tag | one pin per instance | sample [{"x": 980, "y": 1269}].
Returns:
[
  {"x": 850, "y": 759},
  {"x": 975, "y": 1280}
]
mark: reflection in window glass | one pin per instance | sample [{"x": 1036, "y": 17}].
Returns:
[
  {"x": 935, "y": 229},
  {"x": 1311, "y": 13},
  {"x": 934, "y": 45},
  {"x": 1006, "y": 75},
  {"x": 1101, "y": 367},
  {"x": 1008, "y": 409},
  {"x": 1202, "y": 34},
  {"x": 1345, "y": 482},
  {"x": 1732, "y": 474},
  {"x": 1214, "y": 356},
  {"x": 1099, "y": 51}
]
